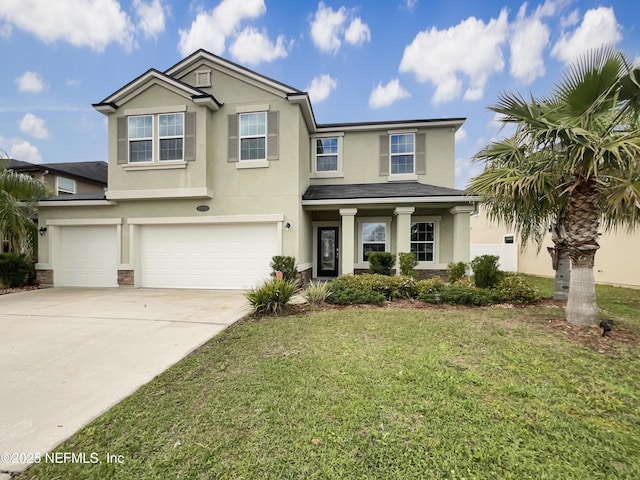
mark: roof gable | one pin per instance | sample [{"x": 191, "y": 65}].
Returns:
[
  {"x": 146, "y": 80},
  {"x": 202, "y": 57}
]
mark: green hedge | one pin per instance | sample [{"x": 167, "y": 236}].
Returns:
[{"x": 17, "y": 270}]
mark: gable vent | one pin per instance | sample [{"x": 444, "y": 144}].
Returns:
[{"x": 203, "y": 78}]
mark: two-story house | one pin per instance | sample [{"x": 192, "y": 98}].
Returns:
[{"x": 214, "y": 169}]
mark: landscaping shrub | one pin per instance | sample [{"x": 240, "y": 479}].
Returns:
[
  {"x": 427, "y": 289},
  {"x": 16, "y": 270},
  {"x": 515, "y": 288},
  {"x": 486, "y": 273},
  {"x": 408, "y": 264},
  {"x": 317, "y": 293},
  {"x": 286, "y": 265},
  {"x": 350, "y": 290},
  {"x": 462, "y": 293},
  {"x": 456, "y": 271},
  {"x": 272, "y": 296},
  {"x": 380, "y": 262}
]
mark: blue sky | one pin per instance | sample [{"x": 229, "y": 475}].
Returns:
[{"x": 359, "y": 60}]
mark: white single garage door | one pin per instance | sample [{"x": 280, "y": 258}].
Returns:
[
  {"x": 86, "y": 256},
  {"x": 220, "y": 256}
]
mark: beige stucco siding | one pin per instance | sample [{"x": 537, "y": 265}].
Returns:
[
  {"x": 617, "y": 261},
  {"x": 361, "y": 158}
]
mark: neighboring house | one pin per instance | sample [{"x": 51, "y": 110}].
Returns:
[
  {"x": 65, "y": 178},
  {"x": 616, "y": 261},
  {"x": 71, "y": 178},
  {"x": 214, "y": 169}
]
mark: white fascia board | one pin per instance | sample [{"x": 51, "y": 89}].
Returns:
[
  {"x": 75, "y": 203},
  {"x": 262, "y": 218},
  {"x": 71, "y": 222},
  {"x": 195, "y": 192},
  {"x": 390, "y": 126},
  {"x": 391, "y": 200}
]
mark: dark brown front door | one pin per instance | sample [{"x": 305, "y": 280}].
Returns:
[{"x": 327, "y": 252}]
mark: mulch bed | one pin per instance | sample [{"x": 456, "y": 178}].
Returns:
[{"x": 5, "y": 291}]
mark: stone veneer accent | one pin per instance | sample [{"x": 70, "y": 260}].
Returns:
[
  {"x": 304, "y": 277},
  {"x": 44, "y": 278},
  {"x": 125, "y": 277}
]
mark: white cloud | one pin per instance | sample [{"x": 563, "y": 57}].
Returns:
[
  {"x": 210, "y": 29},
  {"x": 93, "y": 24},
  {"x": 71, "y": 82},
  {"x": 5, "y": 30},
  {"x": 328, "y": 28},
  {"x": 461, "y": 134},
  {"x": 599, "y": 27},
  {"x": 33, "y": 126},
  {"x": 321, "y": 87},
  {"x": 385, "y": 95},
  {"x": 357, "y": 33},
  {"x": 21, "y": 150},
  {"x": 471, "y": 48},
  {"x": 530, "y": 38},
  {"x": 30, "y": 82},
  {"x": 151, "y": 17},
  {"x": 570, "y": 20},
  {"x": 253, "y": 47},
  {"x": 410, "y": 4}
]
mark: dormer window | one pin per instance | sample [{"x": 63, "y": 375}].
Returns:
[
  {"x": 65, "y": 186},
  {"x": 203, "y": 78}
]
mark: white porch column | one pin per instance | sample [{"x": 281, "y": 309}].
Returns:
[
  {"x": 348, "y": 235},
  {"x": 461, "y": 233},
  {"x": 403, "y": 232}
]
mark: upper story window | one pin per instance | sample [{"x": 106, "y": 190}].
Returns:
[
  {"x": 65, "y": 186},
  {"x": 253, "y": 136},
  {"x": 402, "y": 153},
  {"x": 145, "y": 138},
  {"x": 327, "y": 154}
]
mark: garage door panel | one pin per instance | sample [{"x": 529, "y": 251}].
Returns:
[
  {"x": 229, "y": 256},
  {"x": 87, "y": 257}
]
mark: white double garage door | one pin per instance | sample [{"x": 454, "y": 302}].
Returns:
[{"x": 213, "y": 256}]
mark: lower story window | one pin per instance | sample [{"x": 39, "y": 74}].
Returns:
[
  {"x": 374, "y": 238},
  {"x": 423, "y": 241}
]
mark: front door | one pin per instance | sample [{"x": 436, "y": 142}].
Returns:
[{"x": 327, "y": 252}]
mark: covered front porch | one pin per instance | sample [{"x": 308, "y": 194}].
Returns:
[{"x": 350, "y": 221}]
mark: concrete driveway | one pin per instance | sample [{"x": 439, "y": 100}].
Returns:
[{"x": 69, "y": 354}]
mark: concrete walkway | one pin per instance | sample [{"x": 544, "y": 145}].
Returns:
[{"x": 68, "y": 354}]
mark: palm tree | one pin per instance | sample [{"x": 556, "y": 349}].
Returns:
[
  {"x": 18, "y": 194},
  {"x": 576, "y": 156}
]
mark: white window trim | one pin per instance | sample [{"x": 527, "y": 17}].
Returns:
[
  {"x": 155, "y": 139},
  {"x": 399, "y": 177},
  {"x": 257, "y": 162},
  {"x": 339, "y": 173},
  {"x": 58, "y": 190},
  {"x": 387, "y": 237},
  {"x": 436, "y": 240}
]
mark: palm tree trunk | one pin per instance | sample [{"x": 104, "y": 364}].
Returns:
[
  {"x": 563, "y": 274},
  {"x": 583, "y": 222},
  {"x": 560, "y": 256}
]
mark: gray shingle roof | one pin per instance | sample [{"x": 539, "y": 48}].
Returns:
[
  {"x": 378, "y": 190},
  {"x": 91, "y": 171}
]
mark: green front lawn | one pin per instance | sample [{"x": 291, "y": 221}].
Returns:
[{"x": 377, "y": 393}]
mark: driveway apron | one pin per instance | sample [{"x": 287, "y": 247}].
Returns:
[{"x": 69, "y": 354}]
